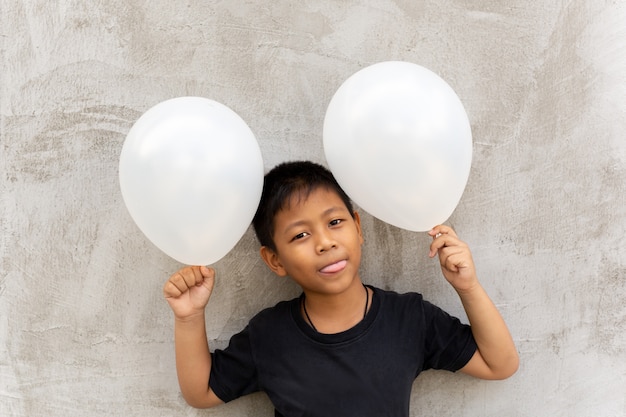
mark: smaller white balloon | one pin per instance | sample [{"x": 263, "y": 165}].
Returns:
[
  {"x": 398, "y": 141},
  {"x": 191, "y": 176}
]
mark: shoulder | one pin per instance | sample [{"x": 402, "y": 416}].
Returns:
[
  {"x": 402, "y": 309},
  {"x": 391, "y": 298},
  {"x": 409, "y": 305},
  {"x": 395, "y": 294},
  {"x": 263, "y": 327},
  {"x": 274, "y": 316}
]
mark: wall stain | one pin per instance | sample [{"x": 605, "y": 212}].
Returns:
[{"x": 63, "y": 142}]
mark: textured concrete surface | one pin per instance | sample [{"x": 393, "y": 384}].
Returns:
[{"x": 83, "y": 328}]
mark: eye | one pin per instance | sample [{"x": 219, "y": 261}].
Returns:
[
  {"x": 335, "y": 222},
  {"x": 300, "y": 236}
]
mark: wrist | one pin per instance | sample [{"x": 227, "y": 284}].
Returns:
[
  {"x": 469, "y": 290},
  {"x": 194, "y": 317}
]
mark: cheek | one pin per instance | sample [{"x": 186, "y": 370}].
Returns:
[{"x": 296, "y": 258}]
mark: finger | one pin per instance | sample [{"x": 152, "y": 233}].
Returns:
[
  {"x": 191, "y": 275},
  {"x": 197, "y": 275},
  {"x": 437, "y": 244},
  {"x": 434, "y": 248},
  {"x": 456, "y": 261},
  {"x": 441, "y": 241},
  {"x": 182, "y": 281},
  {"x": 441, "y": 229},
  {"x": 445, "y": 240},
  {"x": 208, "y": 278},
  {"x": 170, "y": 290},
  {"x": 447, "y": 251},
  {"x": 207, "y": 272}
]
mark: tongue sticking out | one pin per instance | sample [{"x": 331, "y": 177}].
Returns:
[{"x": 338, "y": 266}]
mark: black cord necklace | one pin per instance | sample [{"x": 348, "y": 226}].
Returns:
[{"x": 367, "y": 301}]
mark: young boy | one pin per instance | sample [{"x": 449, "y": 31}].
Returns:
[{"x": 342, "y": 348}]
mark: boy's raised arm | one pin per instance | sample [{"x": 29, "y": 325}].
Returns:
[
  {"x": 496, "y": 357},
  {"x": 188, "y": 292}
]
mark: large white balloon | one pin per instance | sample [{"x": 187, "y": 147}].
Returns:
[
  {"x": 399, "y": 142},
  {"x": 191, "y": 175}
]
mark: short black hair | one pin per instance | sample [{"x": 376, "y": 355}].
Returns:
[{"x": 283, "y": 182}]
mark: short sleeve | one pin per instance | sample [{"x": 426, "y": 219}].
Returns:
[
  {"x": 233, "y": 371},
  {"x": 449, "y": 344}
]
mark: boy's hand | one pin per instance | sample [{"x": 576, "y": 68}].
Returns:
[
  {"x": 455, "y": 258},
  {"x": 188, "y": 290}
]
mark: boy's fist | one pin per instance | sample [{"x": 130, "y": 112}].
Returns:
[{"x": 188, "y": 290}]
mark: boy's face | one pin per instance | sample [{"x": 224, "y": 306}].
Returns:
[{"x": 318, "y": 243}]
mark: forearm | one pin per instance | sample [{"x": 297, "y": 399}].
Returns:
[
  {"x": 495, "y": 344},
  {"x": 193, "y": 361}
]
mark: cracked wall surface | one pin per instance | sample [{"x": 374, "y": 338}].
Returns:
[{"x": 84, "y": 330}]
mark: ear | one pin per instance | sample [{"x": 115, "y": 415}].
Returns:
[
  {"x": 357, "y": 222},
  {"x": 272, "y": 260}
]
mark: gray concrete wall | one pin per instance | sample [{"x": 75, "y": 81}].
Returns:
[{"x": 83, "y": 327}]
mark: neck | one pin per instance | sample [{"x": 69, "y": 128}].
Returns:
[{"x": 334, "y": 313}]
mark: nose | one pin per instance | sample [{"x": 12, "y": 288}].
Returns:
[{"x": 325, "y": 242}]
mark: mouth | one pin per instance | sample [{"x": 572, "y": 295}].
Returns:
[{"x": 334, "y": 267}]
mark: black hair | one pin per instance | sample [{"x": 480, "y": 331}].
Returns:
[{"x": 285, "y": 181}]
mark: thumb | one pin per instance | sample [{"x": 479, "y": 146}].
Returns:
[
  {"x": 207, "y": 272},
  {"x": 208, "y": 277}
]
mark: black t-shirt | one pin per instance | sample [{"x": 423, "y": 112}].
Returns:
[{"x": 367, "y": 370}]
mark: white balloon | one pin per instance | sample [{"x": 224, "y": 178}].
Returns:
[
  {"x": 191, "y": 175},
  {"x": 399, "y": 142}
]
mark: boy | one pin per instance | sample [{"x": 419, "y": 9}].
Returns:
[{"x": 342, "y": 348}]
